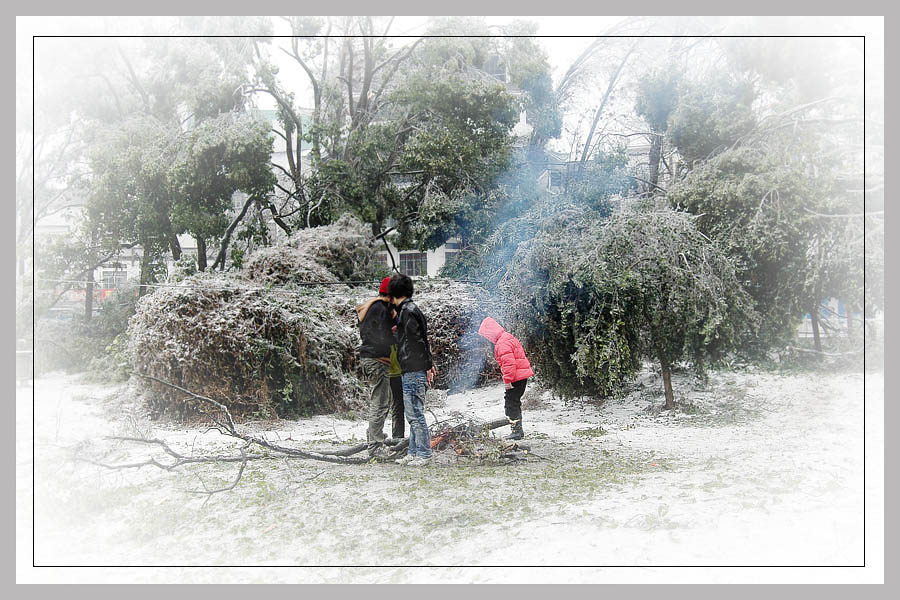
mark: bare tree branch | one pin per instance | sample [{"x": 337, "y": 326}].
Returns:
[
  {"x": 209, "y": 493},
  {"x": 231, "y": 429},
  {"x": 136, "y": 82},
  {"x": 267, "y": 204},
  {"x": 603, "y": 101},
  {"x": 226, "y": 238}
]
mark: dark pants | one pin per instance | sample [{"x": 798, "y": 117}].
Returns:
[
  {"x": 398, "y": 426},
  {"x": 513, "y": 399}
]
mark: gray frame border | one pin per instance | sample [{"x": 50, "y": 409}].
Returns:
[{"x": 360, "y": 8}]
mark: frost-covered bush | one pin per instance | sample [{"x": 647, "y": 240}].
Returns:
[
  {"x": 260, "y": 352},
  {"x": 287, "y": 352},
  {"x": 342, "y": 251},
  {"x": 454, "y": 311},
  {"x": 78, "y": 345},
  {"x": 184, "y": 267},
  {"x": 289, "y": 349}
]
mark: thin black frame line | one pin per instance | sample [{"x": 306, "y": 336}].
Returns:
[
  {"x": 34, "y": 99},
  {"x": 33, "y": 311},
  {"x": 864, "y": 300}
]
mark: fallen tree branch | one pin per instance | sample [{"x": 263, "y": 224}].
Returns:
[
  {"x": 226, "y": 426},
  {"x": 344, "y": 456},
  {"x": 209, "y": 493},
  {"x": 230, "y": 429}
]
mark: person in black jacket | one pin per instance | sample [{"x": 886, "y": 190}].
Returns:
[
  {"x": 375, "y": 329},
  {"x": 416, "y": 365}
]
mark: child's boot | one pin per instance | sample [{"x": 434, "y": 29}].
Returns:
[{"x": 516, "y": 433}]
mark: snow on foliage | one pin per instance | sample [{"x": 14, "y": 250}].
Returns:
[
  {"x": 592, "y": 298},
  {"x": 290, "y": 350},
  {"x": 261, "y": 353},
  {"x": 338, "y": 252},
  {"x": 454, "y": 311}
]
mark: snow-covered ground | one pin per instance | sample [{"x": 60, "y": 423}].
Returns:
[{"x": 752, "y": 468}]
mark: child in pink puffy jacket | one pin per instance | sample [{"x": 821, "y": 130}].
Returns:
[{"x": 515, "y": 368}]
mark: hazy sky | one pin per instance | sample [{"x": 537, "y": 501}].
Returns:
[
  {"x": 562, "y": 48},
  {"x": 556, "y": 38}
]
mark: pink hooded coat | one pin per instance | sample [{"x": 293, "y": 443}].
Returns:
[{"x": 507, "y": 350}]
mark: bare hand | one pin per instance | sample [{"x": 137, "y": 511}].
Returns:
[
  {"x": 430, "y": 374},
  {"x": 508, "y": 386}
]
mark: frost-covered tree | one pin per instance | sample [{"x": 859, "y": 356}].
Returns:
[
  {"x": 517, "y": 209},
  {"x": 710, "y": 115},
  {"x": 221, "y": 156},
  {"x": 151, "y": 182},
  {"x": 593, "y": 297},
  {"x": 403, "y": 130},
  {"x": 777, "y": 209},
  {"x": 129, "y": 199},
  {"x": 170, "y": 145},
  {"x": 657, "y": 98}
]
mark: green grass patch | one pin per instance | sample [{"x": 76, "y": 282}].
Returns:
[{"x": 590, "y": 432}]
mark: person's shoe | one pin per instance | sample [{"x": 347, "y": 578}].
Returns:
[
  {"x": 517, "y": 433},
  {"x": 419, "y": 462},
  {"x": 405, "y": 460}
]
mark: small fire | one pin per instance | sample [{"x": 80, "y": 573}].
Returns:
[{"x": 445, "y": 439}]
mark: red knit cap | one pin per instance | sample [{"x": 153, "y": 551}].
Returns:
[{"x": 384, "y": 285}]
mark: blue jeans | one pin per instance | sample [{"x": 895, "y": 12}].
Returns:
[{"x": 414, "y": 385}]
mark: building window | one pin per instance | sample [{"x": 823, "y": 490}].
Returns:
[
  {"x": 452, "y": 245},
  {"x": 555, "y": 179},
  {"x": 413, "y": 263},
  {"x": 113, "y": 279},
  {"x": 451, "y": 257}
]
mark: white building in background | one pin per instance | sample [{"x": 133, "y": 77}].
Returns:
[{"x": 416, "y": 263}]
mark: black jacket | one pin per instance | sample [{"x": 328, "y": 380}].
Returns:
[
  {"x": 413, "y": 350},
  {"x": 375, "y": 323}
]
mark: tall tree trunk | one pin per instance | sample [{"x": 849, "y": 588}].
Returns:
[
  {"x": 266, "y": 204},
  {"x": 174, "y": 246},
  {"x": 599, "y": 111},
  {"x": 201, "y": 253},
  {"x": 226, "y": 239},
  {"x": 667, "y": 384},
  {"x": 89, "y": 288},
  {"x": 655, "y": 154},
  {"x": 814, "y": 317},
  {"x": 145, "y": 271},
  {"x": 89, "y": 297}
]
